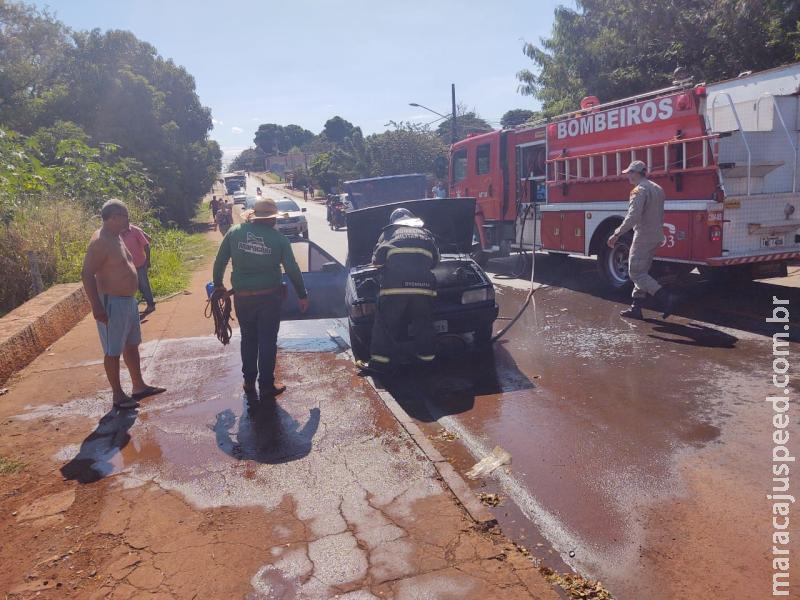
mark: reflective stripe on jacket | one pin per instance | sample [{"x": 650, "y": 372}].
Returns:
[{"x": 407, "y": 254}]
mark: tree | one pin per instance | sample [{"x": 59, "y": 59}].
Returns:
[
  {"x": 407, "y": 149},
  {"x": 273, "y": 138},
  {"x": 336, "y": 130},
  {"x": 618, "y": 48},
  {"x": 296, "y": 136},
  {"x": 467, "y": 123},
  {"x": 119, "y": 91},
  {"x": 249, "y": 159},
  {"x": 516, "y": 116}
]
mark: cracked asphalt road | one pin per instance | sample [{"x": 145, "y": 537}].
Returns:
[{"x": 200, "y": 494}]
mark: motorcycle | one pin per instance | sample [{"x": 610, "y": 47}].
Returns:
[{"x": 337, "y": 218}]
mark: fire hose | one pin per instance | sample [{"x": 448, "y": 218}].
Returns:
[
  {"x": 218, "y": 307},
  {"x": 532, "y": 290}
]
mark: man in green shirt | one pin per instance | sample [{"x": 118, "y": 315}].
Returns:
[{"x": 257, "y": 251}]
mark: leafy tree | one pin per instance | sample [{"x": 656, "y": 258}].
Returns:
[
  {"x": 467, "y": 123},
  {"x": 296, "y": 136},
  {"x": 618, "y": 48},
  {"x": 270, "y": 137},
  {"x": 323, "y": 169},
  {"x": 273, "y": 138},
  {"x": 119, "y": 91},
  {"x": 407, "y": 149},
  {"x": 337, "y": 129},
  {"x": 250, "y": 159},
  {"x": 516, "y": 116}
]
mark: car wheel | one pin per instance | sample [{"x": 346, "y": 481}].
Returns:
[
  {"x": 613, "y": 263},
  {"x": 483, "y": 336},
  {"x": 359, "y": 347}
]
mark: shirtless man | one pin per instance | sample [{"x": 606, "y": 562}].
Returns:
[{"x": 110, "y": 280}]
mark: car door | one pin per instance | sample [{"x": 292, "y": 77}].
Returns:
[{"x": 324, "y": 278}]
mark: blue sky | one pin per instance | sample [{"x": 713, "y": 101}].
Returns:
[{"x": 305, "y": 61}]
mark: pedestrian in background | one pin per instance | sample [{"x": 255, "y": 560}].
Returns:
[
  {"x": 110, "y": 280},
  {"x": 214, "y": 208},
  {"x": 646, "y": 218},
  {"x": 224, "y": 218},
  {"x": 138, "y": 244},
  {"x": 257, "y": 252},
  {"x": 305, "y": 193},
  {"x": 439, "y": 191}
]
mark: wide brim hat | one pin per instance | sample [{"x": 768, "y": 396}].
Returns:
[{"x": 263, "y": 208}]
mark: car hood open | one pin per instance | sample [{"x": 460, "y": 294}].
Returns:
[{"x": 450, "y": 220}]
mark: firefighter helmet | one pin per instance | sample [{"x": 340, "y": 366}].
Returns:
[{"x": 403, "y": 216}]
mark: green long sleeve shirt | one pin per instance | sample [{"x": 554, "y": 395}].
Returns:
[{"x": 257, "y": 253}]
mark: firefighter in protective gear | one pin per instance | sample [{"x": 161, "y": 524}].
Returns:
[
  {"x": 407, "y": 252},
  {"x": 646, "y": 218}
]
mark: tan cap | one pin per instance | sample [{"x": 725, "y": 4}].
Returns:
[
  {"x": 263, "y": 208},
  {"x": 636, "y": 166}
]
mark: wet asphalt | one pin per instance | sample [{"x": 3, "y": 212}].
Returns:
[{"x": 609, "y": 422}]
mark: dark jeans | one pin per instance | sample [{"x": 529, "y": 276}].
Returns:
[
  {"x": 259, "y": 320},
  {"x": 144, "y": 285}
]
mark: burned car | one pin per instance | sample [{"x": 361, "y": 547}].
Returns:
[{"x": 464, "y": 303}]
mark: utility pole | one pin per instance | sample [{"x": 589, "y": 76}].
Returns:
[{"x": 453, "y": 94}]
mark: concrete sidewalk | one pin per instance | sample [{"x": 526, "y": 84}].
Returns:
[{"x": 198, "y": 495}]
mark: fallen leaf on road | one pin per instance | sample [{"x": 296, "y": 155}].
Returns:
[
  {"x": 446, "y": 436},
  {"x": 489, "y": 499}
]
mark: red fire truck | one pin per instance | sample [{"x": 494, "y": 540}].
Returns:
[{"x": 725, "y": 154}]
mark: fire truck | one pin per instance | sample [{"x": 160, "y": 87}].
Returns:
[{"x": 725, "y": 154}]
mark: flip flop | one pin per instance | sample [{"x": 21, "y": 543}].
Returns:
[
  {"x": 127, "y": 403},
  {"x": 150, "y": 390}
]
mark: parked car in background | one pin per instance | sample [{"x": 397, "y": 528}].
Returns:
[
  {"x": 239, "y": 197},
  {"x": 464, "y": 302},
  {"x": 291, "y": 220}
]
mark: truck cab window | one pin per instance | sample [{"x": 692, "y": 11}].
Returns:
[
  {"x": 460, "y": 165},
  {"x": 482, "y": 159}
]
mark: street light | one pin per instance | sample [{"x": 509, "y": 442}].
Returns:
[
  {"x": 452, "y": 117},
  {"x": 428, "y": 109}
]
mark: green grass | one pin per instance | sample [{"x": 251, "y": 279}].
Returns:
[
  {"x": 10, "y": 465},
  {"x": 174, "y": 255}
]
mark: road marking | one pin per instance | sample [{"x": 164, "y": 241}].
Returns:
[{"x": 552, "y": 528}]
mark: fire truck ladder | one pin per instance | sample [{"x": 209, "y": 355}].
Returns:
[
  {"x": 582, "y": 168},
  {"x": 792, "y": 143},
  {"x": 727, "y": 97}
]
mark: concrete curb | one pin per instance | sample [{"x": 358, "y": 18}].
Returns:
[
  {"x": 29, "y": 329},
  {"x": 460, "y": 489}
]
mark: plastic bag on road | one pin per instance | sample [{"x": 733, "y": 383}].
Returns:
[{"x": 486, "y": 465}]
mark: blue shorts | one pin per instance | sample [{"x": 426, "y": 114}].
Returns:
[{"x": 123, "y": 327}]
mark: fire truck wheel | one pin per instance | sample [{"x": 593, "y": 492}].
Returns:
[{"x": 613, "y": 263}]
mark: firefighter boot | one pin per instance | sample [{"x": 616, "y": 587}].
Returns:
[
  {"x": 635, "y": 311},
  {"x": 667, "y": 299}
]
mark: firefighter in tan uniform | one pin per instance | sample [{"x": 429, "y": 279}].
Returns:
[{"x": 646, "y": 218}]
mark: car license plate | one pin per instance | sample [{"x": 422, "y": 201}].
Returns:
[
  {"x": 771, "y": 241},
  {"x": 438, "y": 326}
]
